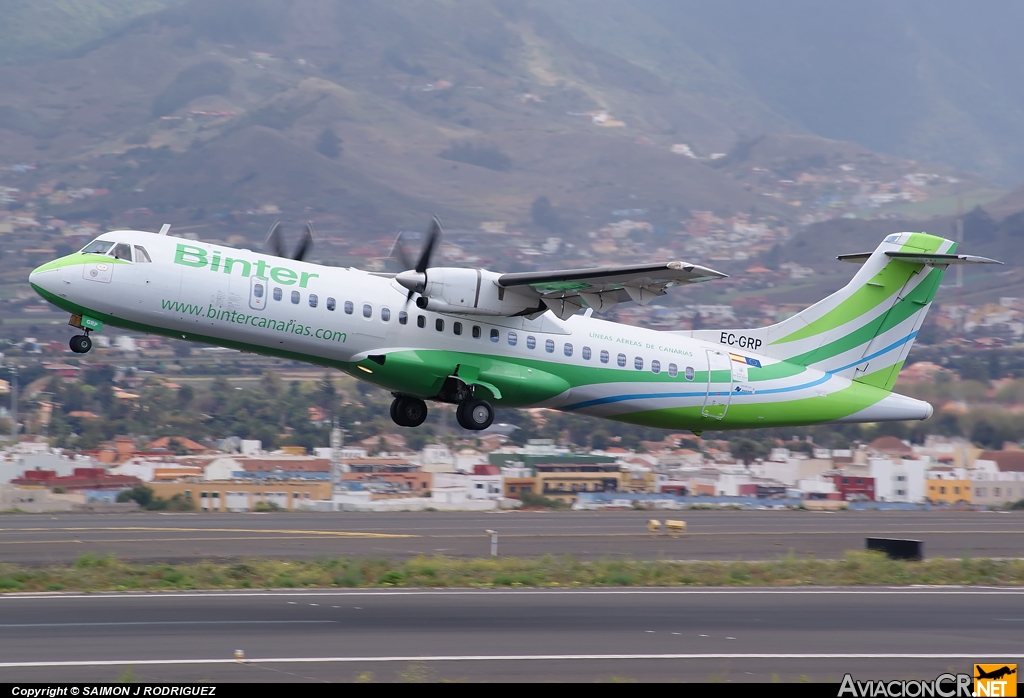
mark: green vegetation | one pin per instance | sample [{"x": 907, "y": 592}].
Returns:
[
  {"x": 105, "y": 573},
  {"x": 480, "y": 155},
  {"x": 33, "y": 29},
  {"x": 328, "y": 144},
  {"x": 143, "y": 496},
  {"x": 529, "y": 499},
  {"x": 209, "y": 78},
  {"x": 266, "y": 507}
]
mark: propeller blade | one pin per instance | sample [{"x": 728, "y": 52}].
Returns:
[
  {"x": 273, "y": 244},
  {"x": 398, "y": 250},
  {"x": 307, "y": 242},
  {"x": 433, "y": 235}
]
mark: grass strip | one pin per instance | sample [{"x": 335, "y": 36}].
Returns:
[{"x": 92, "y": 572}]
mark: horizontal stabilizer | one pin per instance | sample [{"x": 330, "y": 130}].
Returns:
[
  {"x": 940, "y": 259},
  {"x": 934, "y": 260}
]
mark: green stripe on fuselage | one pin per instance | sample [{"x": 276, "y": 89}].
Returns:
[{"x": 802, "y": 411}]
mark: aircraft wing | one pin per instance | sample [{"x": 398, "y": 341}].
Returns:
[{"x": 567, "y": 291}]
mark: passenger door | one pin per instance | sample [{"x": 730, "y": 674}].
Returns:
[{"x": 719, "y": 389}]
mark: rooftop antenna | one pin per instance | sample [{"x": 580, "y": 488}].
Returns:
[{"x": 164, "y": 228}]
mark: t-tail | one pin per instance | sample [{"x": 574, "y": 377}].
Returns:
[{"x": 865, "y": 330}]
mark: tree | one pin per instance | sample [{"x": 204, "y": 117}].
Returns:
[
  {"x": 328, "y": 144},
  {"x": 326, "y": 393},
  {"x": 185, "y": 396},
  {"x": 177, "y": 448},
  {"x": 544, "y": 215},
  {"x": 979, "y": 226},
  {"x": 140, "y": 494},
  {"x": 747, "y": 450}
]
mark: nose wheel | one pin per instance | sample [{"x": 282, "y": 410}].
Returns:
[
  {"x": 475, "y": 415},
  {"x": 408, "y": 411},
  {"x": 81, "y": 344}
]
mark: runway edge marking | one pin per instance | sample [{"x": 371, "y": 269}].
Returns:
[{"x": 488, "y": 658}]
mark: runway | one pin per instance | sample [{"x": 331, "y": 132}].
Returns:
[
  {"x": 698, "y": 635},
  {"x": 710, "y": 535}
]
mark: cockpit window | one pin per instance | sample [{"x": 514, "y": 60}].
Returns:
[
  {"x": 123, "y": 251},
  {"x": 97, "y": 247},
  {"x": 141, "y": 255}
]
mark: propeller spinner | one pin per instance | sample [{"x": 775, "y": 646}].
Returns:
[{"x": 415, "y": 279}]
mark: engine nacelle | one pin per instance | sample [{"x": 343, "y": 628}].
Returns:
[{"x": 473, "y": 292}]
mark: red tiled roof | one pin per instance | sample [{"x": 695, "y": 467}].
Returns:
[
  {"x": 1007, "y": 461},
  {"x": 890, "y": 444}
]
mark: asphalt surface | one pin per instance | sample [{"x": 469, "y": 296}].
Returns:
[
  {"x": 489, "y": 635},
  {"x": 710, "y": 535}
]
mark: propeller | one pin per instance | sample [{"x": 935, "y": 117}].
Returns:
[
  {"x": 415, "y": 279},
  {"x": 274, "y": 243}
]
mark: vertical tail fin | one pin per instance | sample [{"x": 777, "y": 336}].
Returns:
[{"x": 865, "y": 330}]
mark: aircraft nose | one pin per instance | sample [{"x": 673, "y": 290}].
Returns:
[{"x": 44, "y": 276}]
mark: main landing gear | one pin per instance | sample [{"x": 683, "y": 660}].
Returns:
[
  {"x": 408, "y": 411},
  {"x": 80, "y": 343},
  {"x": 472, "y": 414}
]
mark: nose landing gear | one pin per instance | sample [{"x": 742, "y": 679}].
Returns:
[{"x": 80, "y": 343}]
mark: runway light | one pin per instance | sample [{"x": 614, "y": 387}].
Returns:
[
  {"x": 239, "y": 655},
  {"x": 363, "y": 368}
]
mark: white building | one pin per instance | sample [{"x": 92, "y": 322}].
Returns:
[
  {"x": 479, "y": 487},
  {"x": 436, "y": 458},
  {"x": 899, "y": 480}
]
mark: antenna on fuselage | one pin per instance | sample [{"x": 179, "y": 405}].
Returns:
[{"x": 164, "y": 228}]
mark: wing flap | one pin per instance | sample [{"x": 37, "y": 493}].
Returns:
[{"x": 566, "y": 291}]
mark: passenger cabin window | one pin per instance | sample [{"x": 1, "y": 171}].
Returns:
[
  {"x": 586, "y": 353},
  {"x": 123, "y": 251},
  {"x": 477, "y": 331},
  {"x": 531, "y": 342},
  {"x": 403, "y": 317},
  {"x": 512, "y": 339},
  {"x": 605, "y": 356},
  {"x": 313, "y": 300},
  {"x": 349, "y": 307},
  {"x": 673, "y": 370},
  {"x": 689, "y": 373},
  {"x": 97, "y": 247},
  {"x": 331, "y": 304},
  {"x": 549, "y": 346},
  {"x": 141, "y": 255},
  {"x": 457, "y": 328},
  {"x": 257, "y": 290},
  {"x": 655, "y": 366},
  {"x": 385, "y": 314},
  {"x": 567, "y": 349},
  {"x": 621, "y": 360},
  {"x": 295, "y": 297},
  {"x": 278, "y": 294},
  {"x": 494, "y": 335},
  {"x": 439, "y": 325},
  {"x": 638, "y": 363},
  {"x": 421, "y": 321},
  {"x": 367, "y": 310}
]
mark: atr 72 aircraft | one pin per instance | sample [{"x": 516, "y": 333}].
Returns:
[{"x": 477, "y": 338}]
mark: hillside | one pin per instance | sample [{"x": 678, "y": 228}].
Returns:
[
  {"x": 473, "y": 110},
  {"x": 604, "y": 132},
  {"x": 935, "y": 81}
]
